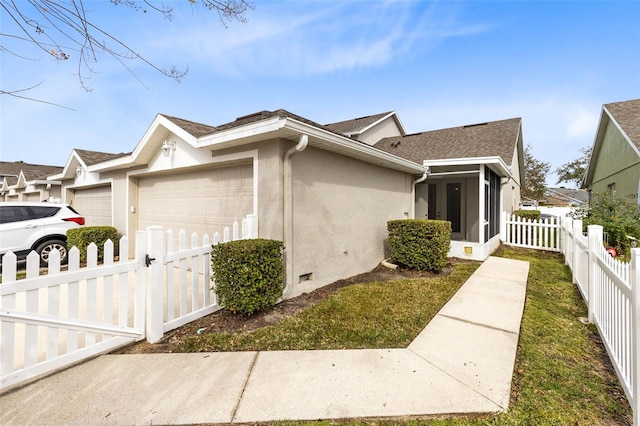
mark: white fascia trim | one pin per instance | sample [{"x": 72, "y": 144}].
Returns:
[
  {"x": 67, "y": 167},
  {"x": 158, "y": 121},
  {"x": 252, "y": 129},
  {"x": 622, "y": 132},
  {"x": 375, "y": 123},
  {"x": 351, "y": 145},
  {"x": 605, "y": 117},
  {"x": 494, "y": 160}
]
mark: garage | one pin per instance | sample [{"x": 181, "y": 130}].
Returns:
[
  {"x": 202, "y": 201},
  {"x": 94, "y": 204}
]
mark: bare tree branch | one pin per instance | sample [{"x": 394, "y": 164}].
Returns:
[
  {"x": 15, "y": 94},
  {"x": 64, "y": 29}
]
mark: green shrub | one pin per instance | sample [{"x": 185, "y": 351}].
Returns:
[
  {"x": 248, "y": 274},
  {"x": 421, "y": 244},
  {"x": 528, "y": 214},
  {"x": 82, "y": 237},
  {"x": 618, "y": 217}
]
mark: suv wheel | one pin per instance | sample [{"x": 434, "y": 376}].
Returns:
[{"x": 44, "y": 250}]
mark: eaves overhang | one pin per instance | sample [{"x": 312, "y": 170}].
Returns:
[
  {"x": 495, "y": 163},
  {"x": 290, "y": 129},
  {"x": 148, "y": 147}
]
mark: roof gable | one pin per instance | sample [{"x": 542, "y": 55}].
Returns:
[
  {"x": 497, "y": 138},
  {"x": 30, "y": 172},
  {"x": 627, "y": 115},
  {"x": 359, "y": 125}
]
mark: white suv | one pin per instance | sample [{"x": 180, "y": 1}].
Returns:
[{"x": 42, "y": 227}]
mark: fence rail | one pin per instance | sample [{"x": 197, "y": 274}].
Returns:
[
  {"x": 540, "y": 235},
  {"x": 609, "y": 287},
  {"x": 51, "y": 321}
]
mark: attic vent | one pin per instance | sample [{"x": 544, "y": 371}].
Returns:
[
  {"x": 475, "y": 125},
  {"x": 395, "y": 144},
  {"x": 255, "y": 114}
]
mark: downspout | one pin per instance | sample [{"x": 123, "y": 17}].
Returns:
[
  {"x": 413, "y": 190},
  {"x": 288, "y": 212}
]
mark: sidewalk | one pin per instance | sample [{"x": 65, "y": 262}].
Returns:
[{"x": 462, "y": 362}]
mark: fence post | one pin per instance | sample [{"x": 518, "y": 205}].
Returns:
[
  {"x": 140, "y": 303},
  {"x": 503, "y": 226},
  {"x": 577, "y": 231},
  {"x": 155, "y": 261},
  {"x": 594, "y": 233},
  {"x": 634, "y": 282}
]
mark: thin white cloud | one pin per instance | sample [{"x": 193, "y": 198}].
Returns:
[{"x": 317, "y": 38}]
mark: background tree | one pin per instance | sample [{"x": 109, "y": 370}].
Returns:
[
  {"x": 535, "y": 176},
  {"x": 64, "y": 30},
  {"x": 573, "y": 171},
  {"x": 619, "y": 218}
]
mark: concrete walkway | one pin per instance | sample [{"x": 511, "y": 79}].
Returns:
[{"x": 462, "y": 362}]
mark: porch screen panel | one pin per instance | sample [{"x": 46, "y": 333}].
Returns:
[
  {"x": 492, "y": 203},
  {"x": 453, "y": 206},
  {"x": 431, "y": 202}
]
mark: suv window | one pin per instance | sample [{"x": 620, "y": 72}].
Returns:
[
  {"x": 42, "y": 211},
  {"x": 10, "y": 214}
]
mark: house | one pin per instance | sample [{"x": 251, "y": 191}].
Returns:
[
  {"x": 474, "y": 172},
  {"x": 327, "y": 191},
  {"x": 614, "y": 166},
  {"x": 28, "y": 182},
  {"x": 564, "y": 197},
  {"x": 89, "y": 192},
  {"x": 326, "y": 195}
]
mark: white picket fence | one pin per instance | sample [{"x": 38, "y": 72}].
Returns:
[
  {"x": 535, "y": 234},
  {"x": 52, "y": 321},
  {"x": 609, "y": 287}
]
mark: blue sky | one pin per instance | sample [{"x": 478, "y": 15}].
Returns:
[{"x": 438, "y": 64}]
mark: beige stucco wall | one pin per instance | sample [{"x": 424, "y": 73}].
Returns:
[
  {"x": 340, "y": 211},
  {"x": 511, "y": 188},
  {"x": 617, "y": 163},
  {"x": 385, "y": 129}
]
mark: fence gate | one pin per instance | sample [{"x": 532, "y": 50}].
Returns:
[{"x": 54, "y": 320}]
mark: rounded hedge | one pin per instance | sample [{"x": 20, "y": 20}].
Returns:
[
  {"x": 248, "y": 275},
  {"x": 421, "y": 244}
]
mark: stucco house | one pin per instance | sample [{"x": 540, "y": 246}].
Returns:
[
  {"x": 89, "y": 192},
  {"x": 473, "y": 173},
  {"x": 614, "y": 166},
  {"x": 28, "y": 182},
  {"x": 327, "y": 191}
]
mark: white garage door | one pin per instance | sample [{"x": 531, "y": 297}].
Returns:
[
  {"x": 202, "y": 201},
  {"x": 94, "y": 204},
  {"x": 31, "y": 196}
]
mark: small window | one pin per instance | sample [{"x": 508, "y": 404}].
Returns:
[
  {"x": 44, "y": 211},
  {"x": 9, "y": 214}
]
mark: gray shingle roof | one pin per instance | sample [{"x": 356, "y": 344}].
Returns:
[
  {"x": 496, "y": 138},
  {"x": 31, "y": 171},
  {"x": 94, "y": 157},
  {"x": 627, "y": 115},
  {"x": 355, "y": 125},
  {"x": 195, "y": 129}
]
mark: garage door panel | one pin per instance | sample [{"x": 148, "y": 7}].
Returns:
[
  {"x": 202, "y": 201},
  {"x": 95, "y": 205}
]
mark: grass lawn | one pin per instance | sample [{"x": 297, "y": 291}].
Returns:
[{"x": 562, "y": 375}]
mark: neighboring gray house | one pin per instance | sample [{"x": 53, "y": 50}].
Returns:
[
  {"x": 324, "y": 190},
  {"x": 614, "y": 166},
  {"x": 326, "y": 195},
  {"x": 28, "y": 182},
  {"x": 474, "y": 173}
]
